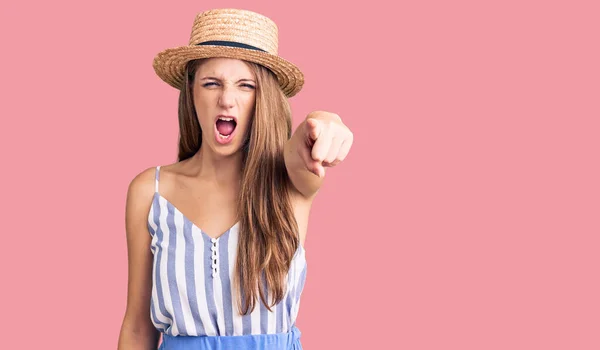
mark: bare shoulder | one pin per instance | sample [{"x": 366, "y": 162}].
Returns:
[
  {"x": 142, "y": 185},
  {"x": 171, "y": 173}
]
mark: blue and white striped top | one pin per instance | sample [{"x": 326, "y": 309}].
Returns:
[{"x": 192, "y": 280}]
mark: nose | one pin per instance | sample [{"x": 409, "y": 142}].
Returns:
[{"x": 227, "y": 98}]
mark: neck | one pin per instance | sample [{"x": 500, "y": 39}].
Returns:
[{"x": 222, "y": 170}]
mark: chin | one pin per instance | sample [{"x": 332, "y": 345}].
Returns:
[{"x": 229, "y": 150}]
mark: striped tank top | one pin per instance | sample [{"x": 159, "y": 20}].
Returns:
[{"x": 192, "y": 280}]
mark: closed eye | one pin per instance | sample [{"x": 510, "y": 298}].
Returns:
[{"x": 212, "y": 83}]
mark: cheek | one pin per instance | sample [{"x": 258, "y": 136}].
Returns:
[
  {"x": 248, "y": 112},
  {"x": 248, "y": 106},
  {"x": 203, "y": 112}
]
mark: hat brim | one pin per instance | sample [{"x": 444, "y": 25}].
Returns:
[{"x": 169, "y": 64}]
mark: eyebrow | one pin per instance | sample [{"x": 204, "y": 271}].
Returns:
[{"x": 213, "y": 78}]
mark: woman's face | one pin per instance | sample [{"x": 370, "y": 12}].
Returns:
[{"x": 224, "y": 97}]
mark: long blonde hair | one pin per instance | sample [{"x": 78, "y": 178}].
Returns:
[{"x": 268, "y": 229}]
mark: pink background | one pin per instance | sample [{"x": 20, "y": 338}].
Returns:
[{"x": 465, "y": 217}]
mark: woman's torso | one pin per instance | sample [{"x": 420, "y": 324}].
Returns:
[{"x": 192, "y": 274}]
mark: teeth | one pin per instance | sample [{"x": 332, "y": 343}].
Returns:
[
  {"x": 226, "y": 119},
  {"x": 223, "y": 136}
]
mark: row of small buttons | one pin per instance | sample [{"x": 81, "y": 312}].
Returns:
[{"x": 214, "y": 257}]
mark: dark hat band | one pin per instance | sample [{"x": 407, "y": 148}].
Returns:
[{"x": 231, "y": 44}]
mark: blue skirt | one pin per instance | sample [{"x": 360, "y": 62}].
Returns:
[{"x": 279, "y": 341}]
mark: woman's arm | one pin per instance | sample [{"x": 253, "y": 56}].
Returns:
[
  {"x": 320, "y": 141},
  {"x": 137, "y": 330}
]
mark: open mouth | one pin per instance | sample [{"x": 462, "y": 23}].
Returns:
[{"x": 225, "y": 127}]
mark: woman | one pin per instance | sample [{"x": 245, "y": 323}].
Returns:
[{"x": 215, "y": 240}]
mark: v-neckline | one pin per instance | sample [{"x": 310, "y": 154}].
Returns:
[{"x": 185, "y": 218}]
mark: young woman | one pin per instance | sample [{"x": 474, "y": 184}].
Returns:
[{"x": 215, "y": 240}]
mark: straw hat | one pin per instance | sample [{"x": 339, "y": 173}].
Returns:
[{"x": 230, "y": 33}]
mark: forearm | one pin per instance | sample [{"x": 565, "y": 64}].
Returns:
[{"x": 137, "y": 339}]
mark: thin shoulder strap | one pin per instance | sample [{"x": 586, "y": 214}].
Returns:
[{"x": 156, "y": 178}]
